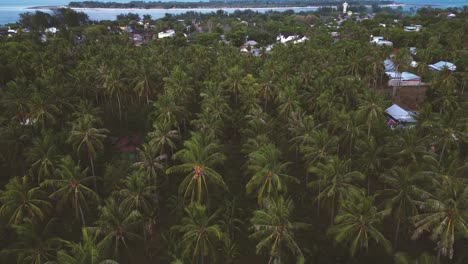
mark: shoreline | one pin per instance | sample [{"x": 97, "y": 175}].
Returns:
[{"x": 173, "y": 8}]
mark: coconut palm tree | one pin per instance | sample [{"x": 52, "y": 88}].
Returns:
[
  {"x": 335, "y": 183},
  {"x": 403, "y": 193},
  {"x": 149, "y": 162},
  {"x": 371, "y": 110},
  {"x": 199, "y": 234},
  {"x": 409, "y": 148},
  {"x": 371, "y": 159},
  {"x": 424, "y": 258},
  {"x": 445, "y": 217},
  {"x": 273, "y": 228},
  {"x": 43, "y": 157},
  {"x": 116, "y": 228},
  {"x": 233, "y": 81},
  {"x": 112, "y": 83},
  {"x": 322, "y": 145},
  {"x": 449, "y": 131},
  {"x": 71, "y": 186},
  {"x": 37, "y": 242},
  {"x": 89, "y": 140},
  {"x": 199, "y": 156},
  {"x": 137, "y": 194},
  {"x": 357, "y": 224},
  {"x": 42, "y": 112},
  {"x": 84, "y": 252},
  {"x": 269, "y": 173},
  {"x": 20, "y": 201},
  {"x": 163, "y": 137}
]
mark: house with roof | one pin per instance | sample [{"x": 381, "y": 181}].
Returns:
[
  {"x": 439, "y": 66},
  {"x": 167, "y": 34},
  {"x": 403, "y": 79},
  {"x": 412, "y": 28},
  {"x": 400, "y": 115},
  {"x": 287, "y": 37},
  {"x": 52, "y": 30},
  {"x": 380, "y": 41}
]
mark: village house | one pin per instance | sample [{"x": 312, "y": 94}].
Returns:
[
  {"x": 412, "y": 28},
  {"x": 403, "y": 79},
  {"x": 399, "y": 116},
  {"x": 380, "y": 41},
  {"x": 439, "y": 66},
  {"x": 166, "y": 34}
]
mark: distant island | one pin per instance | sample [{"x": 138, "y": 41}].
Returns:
[{"x": 216, "y": 4}]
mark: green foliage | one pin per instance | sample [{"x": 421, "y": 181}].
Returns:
[{"x": 173, "y": 150}]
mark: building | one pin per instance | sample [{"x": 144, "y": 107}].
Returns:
[
  {"x": 401, "y": 115},
  {"x": 166, "y": 34},
  {"x": 439, "y": 66},
  {"x": 250, "y": 43},
  {"x": 286, "y": 37},
  {"x": 412, "y": 28},
  {"x": 345, "y": 7},
  {"x": 380, "y": 41},
  {"x": 403, "y": 79}
]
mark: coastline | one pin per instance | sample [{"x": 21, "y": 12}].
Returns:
[{"x": 173, "y": 8}]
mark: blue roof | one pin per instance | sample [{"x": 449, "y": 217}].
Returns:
[{"x": 442, "y": 64}]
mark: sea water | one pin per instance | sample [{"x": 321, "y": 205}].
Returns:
[{"x": 10, "y": 10}]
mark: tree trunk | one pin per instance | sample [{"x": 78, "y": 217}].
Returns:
[
  {"x": 368, "y": 185},
  {"x": 395, "y": 241},
  {"x": 318, "y": 202},
  {"x": 442, "y": 153},
  {"x": 82, "y": 216},
  {"x": 439, "y": 251},
  {"x": 120, "y": 110},
  {"x": 94, "y": 174}
]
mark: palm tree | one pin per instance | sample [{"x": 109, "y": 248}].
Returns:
[
  {"x": 269, "y": 173},
  {"x": 42, "y": 112},
  {"x": 302, "y": 128},
  {"x": 116, "y": 227},
  {"x": 179, "y": 84},
  {"x": 21, "y": 202},
  {"x": 371, "y": 110},
  {"x": 136, "y": 194},
  {"x": 321, "y": 146},
  {"x": 233, "y": 81},
  {"x": 168, "y": 111},
  {"x": 72, "y": 187},
  {"x": 199, "y": 155},
  {"x": 85, "y": 252},
  {"x": 425, "y": 258},
  {"x": 371, "y": 159},
  {"x": 163, "y": 137},
  {"x": 37, "y": 242},
  {"x": 288, "y": 99},
  {"x": 409, "y": 148},
  {"x": 335, "y": 183},
  {"x": 112, "y": 84},
  {"x": 273, "y": 228},
  {"x": 144, "y": 81},
  {"x": 149, "y": 162},
  {"x": 404, "y": 193},
  {"x": 449, "y": 131},
  {"x": 43, "y": 156},
  {"x": 445, "y": 217},
  {"x": 88, "y": 139},
  {"x": 199, "y": 233},
  {"x": 357, "y": 224}
]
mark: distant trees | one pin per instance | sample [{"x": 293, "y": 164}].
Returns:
[{"x": 205, "y": 154}]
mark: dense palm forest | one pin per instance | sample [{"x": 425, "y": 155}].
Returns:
[{"x": 186, "y": 150}]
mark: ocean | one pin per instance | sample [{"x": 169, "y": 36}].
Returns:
[{"x": 11, "y": 9}]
